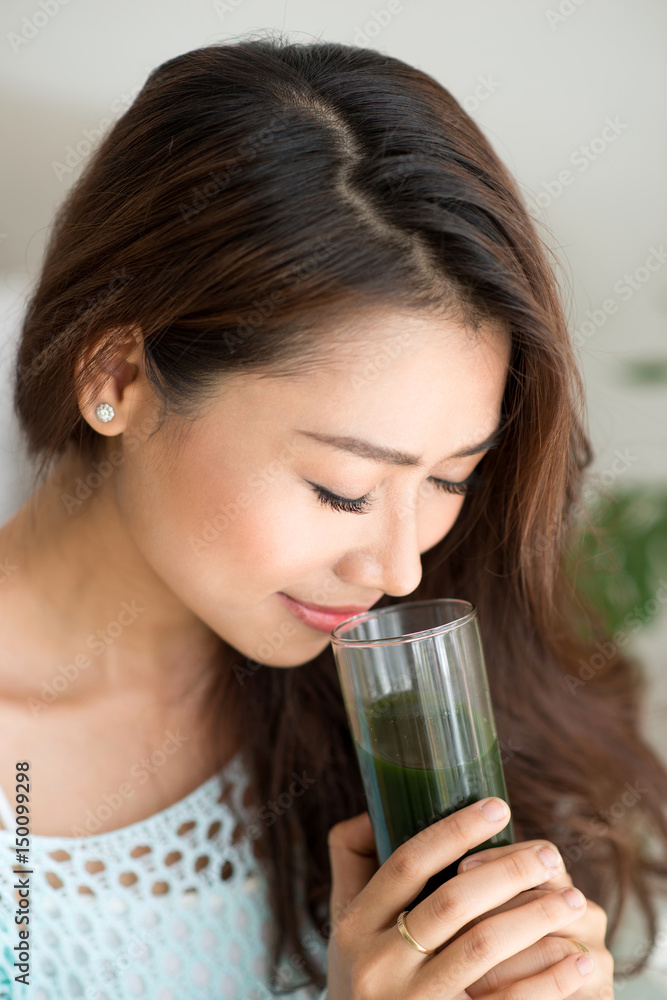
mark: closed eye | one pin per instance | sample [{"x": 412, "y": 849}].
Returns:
[{"x": 363, "y": 504}]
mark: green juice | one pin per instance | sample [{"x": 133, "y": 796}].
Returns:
[{"x": 405, "y": 794}]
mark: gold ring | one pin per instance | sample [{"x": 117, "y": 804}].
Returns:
[
  {"x": 400, "y": 923},
  {"x": 580, "y": 946}
]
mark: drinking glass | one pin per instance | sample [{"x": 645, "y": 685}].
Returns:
[{"x": 417, "y": 698}]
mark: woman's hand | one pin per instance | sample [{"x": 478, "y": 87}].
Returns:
[
  {"x": 368, "y": 959},
  {"x": 589, "y": 928}
]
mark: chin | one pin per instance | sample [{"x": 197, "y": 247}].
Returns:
[
  {"x": 292, "y": 658},
  {"x": 290, "y": 653},
  {"x": 288, "y": 644}
]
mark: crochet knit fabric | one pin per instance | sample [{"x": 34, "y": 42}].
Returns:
[{"x": 170, "y": 908}]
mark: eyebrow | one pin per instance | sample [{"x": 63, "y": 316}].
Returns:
[{"x": 391, "y": 456}]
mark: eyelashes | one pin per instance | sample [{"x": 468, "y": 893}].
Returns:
[{"x": 363, "y": 504}]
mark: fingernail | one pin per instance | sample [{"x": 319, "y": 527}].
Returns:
[
  {"x": 495, "y": 809},
  {"x": 574, "y": 898},
  {"x": 585, "y": 963},
  {"x": 465, "y": 865},
  {"x": 548, "y": 857}
]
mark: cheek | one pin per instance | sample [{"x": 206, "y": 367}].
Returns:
[
  {"x": 266, "y": 544},
  {"x": 221, "y": 537}
]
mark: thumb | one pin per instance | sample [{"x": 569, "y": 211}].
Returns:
[{"x": 354, "y": 861}]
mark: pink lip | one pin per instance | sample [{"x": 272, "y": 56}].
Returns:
[{"x": 323, "y": 619}]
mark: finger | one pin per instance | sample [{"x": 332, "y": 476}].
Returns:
[
  {"x": 353, "y": 858},
  {"x": 406, "y": 871},
  {"x": 560, "y": 880},
  {"x": 473, "y": 893},
  {"x": 497, "y": 938},
  {"x": 490, "y": 853},
  {"x": 567, "y": 977},
  {"x": 540, "y": 956},
  {"x": 575, "y": 929}
]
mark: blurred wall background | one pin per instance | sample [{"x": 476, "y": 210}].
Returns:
[{"x": 571, "y": 94}]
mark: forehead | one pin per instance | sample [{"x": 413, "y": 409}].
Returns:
[
  {"x": 423, "y": 383},
  {"x": 380, "y": 352}
]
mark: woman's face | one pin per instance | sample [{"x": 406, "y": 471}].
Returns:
[{"x": 229, "y": 517}]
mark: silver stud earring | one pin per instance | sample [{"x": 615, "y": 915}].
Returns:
[{"x": 104, "y": 412}]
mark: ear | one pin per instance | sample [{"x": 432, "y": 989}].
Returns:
[{"x": 109, "y": 372}]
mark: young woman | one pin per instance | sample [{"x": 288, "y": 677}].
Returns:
[{"x": 296, "y": 350}]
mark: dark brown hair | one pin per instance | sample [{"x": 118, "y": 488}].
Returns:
[{"x": 252, "y": 193}]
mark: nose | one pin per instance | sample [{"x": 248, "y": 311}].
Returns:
[{"x": 389, "y": 561}]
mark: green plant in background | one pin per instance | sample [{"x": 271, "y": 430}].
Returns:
[
  {"x": 640, "y": 371},
  {"x": 620, "y": 567}
]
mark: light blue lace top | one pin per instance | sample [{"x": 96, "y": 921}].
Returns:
[{"x": 173, "y": 907}]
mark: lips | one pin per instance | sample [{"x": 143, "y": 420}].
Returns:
[
  {"x": 351, "y": 609},
  {"x": 317, "y": 616}
]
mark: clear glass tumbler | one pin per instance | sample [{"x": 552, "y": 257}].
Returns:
[{"x": 414, "y": 683}]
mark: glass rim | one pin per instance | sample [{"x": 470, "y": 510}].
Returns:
[{"x": 339, "y": 640}]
